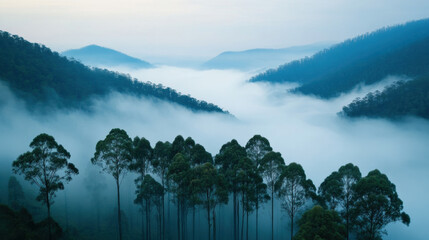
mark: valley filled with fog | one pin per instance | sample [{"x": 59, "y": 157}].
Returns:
[{"x": 303, "y": 129}]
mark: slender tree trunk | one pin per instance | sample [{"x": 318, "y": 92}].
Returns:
[
  {"x": 168, "y": 214},
  {"x": 119, "y": 210},
  {"x": 272, "y": 213},
  {"x": 147, "y": 221},
  {"x": 143, "y": 222},
  {"x": 163, "y": 210},
  {"x": 257, "y": 208},
  {"x": 48, "y": 204},
  {"x": 178, "y": 219},
  {"x": 208, "y": 218},
  {"x": 291, "y": 226},
  {"x": 193, "y": 222},
  {"x": 242, "y": 216},
  {"x": 234, "y": 196},
  {"x": 160, "y": 223},
  {"x": 238, "y": 218},
  {"x": 247, "y": 225},
  {"x": 214, "y": 223},
  {"x": 347, "y": 220}
]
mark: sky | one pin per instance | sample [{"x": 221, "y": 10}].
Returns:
[{"x": 199, "y": 29}]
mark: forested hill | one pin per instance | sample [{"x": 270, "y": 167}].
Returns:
[
  {"x": 97, "y": 56},
  {"x": 45, "y": 79},
  {"x": 365, "y": 59},
  {"x": 401, "y": 99}
]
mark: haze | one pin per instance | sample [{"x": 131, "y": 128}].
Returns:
[
  {"x": 190, "y": 30},
  {"x": 304, "y": 129}
]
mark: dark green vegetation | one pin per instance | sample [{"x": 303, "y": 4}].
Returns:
[
  {"x": 366, "y": 59},
  {"x": 400, "y": 99},
  {"x": 238, "y": 178},
  {"x": 46, "y": 80},
  {"x": 47, "y": 167},
  {"x": 94, "y": 55}
]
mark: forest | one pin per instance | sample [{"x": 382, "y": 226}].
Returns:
[
  {"x": 366, "y": 59},
  {"x": 396, "y": 101},
  {"x": 184, "y": 192},
  {"x": 47, "y": 81}
]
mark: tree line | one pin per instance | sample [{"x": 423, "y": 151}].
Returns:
[
  {"x": 345, "y": 206},
  {"x": 47, "y": 80}
]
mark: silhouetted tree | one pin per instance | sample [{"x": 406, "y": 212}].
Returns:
[
  {"x": 227, "y": 159},
  {"x": 295, "y": 190},
  {"x": 271, "y": 169},
  {"x": 256, "y": 148},
  {"x": 114, "y": 156},
  {"x": 338, "y": 189},
  {"x": 46, "y": 166},
  {"x": 376, "y": 204}
]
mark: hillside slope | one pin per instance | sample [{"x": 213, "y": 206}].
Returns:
[
  {"x": 44, "y": 79},
  {"x": 364, "y": 59},
  {"x": 399, "y": 100}
]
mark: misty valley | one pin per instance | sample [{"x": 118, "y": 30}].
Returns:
[{"x": 313, "y": 142}]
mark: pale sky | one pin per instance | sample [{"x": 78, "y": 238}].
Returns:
[{"x": 199, "y": 28}]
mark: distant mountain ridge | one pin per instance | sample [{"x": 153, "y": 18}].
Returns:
[
  {"x": 365, "y": 59},
  {"x": 260, "y": 58},
  {"x": 98, "y": 56},
  {"x": 44, "y": 79}
]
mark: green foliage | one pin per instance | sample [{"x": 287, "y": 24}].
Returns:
[
  {"x": 318, "y": 223},
  {"x": 376, "y": 204},
  {"x": 46, "y": 166},
  {"x": 46, "y": 80},
  {"x": 398, "y": 100},
  {"x": 271, "y": 168},
  {"x": 16, "y": 196},
  {"x": 149, "y": 190},
  {"x": 256, "y": 148},
  {"x": 294, "y": 189},
  {"x": 114, "y": 153},
  {"x": 19, "y": 225},
  {"x": 366, "y": 59}
]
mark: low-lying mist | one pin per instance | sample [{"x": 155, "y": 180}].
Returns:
[{"x": 304, "y": 129}]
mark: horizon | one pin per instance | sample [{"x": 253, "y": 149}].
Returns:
[{"x": 156, "y": 31}]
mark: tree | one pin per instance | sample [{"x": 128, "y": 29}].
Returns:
[
  {"x": 294, "y": 189},
  {"x": 161, "y": 161},
  {"x": 320, "y": 224},
  {"x": 180, "y": 175},
  {"x": 149, "y": 191},
  {"x": 376, "y": 204},
  {"x": 227, "y": 159},
  {"x": 141, "y": 158},
  {"x": 256, "y": 148},
  {"x": 271, "y": 169},
  {"x": 338, "y": 190},
  {"x": 208, "y": 191},
  {"x": 47, "y": 167},
  {"x": 16, "y": 197},
  {"x": 114, "y": 156}
]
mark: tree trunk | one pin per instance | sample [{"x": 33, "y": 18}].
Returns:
[
  {"x": 48, "y": 204},
  {"x": 247, "y": 226},
  {"x": 257, "y": 208},
  {"x": 291, "y": 227},
  {"x": 163, "y": 210},
  {"x": 143, "y": 222},
  {"x": 193, "y": 222},
  {"x": 148, "y": 233},
  {"x": 214, "y": 223},
  {"x": 272, "y": 213},
  {"x": 234, "y": 196},
  {"x": 208, "y": 217},
  {"x": 119, "y": 210},
  {"x": 178, "y": 219},
  {"x": 242, "y": 217}
]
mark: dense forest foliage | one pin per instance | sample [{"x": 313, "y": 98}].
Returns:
[
  {"x": 45, "y": 79},
  {"x": 403, "y": 98},
  {"x": 94, "y": 55},
  {"x": 184, "y": 177},
  {"x": 400, "y": 50}
]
